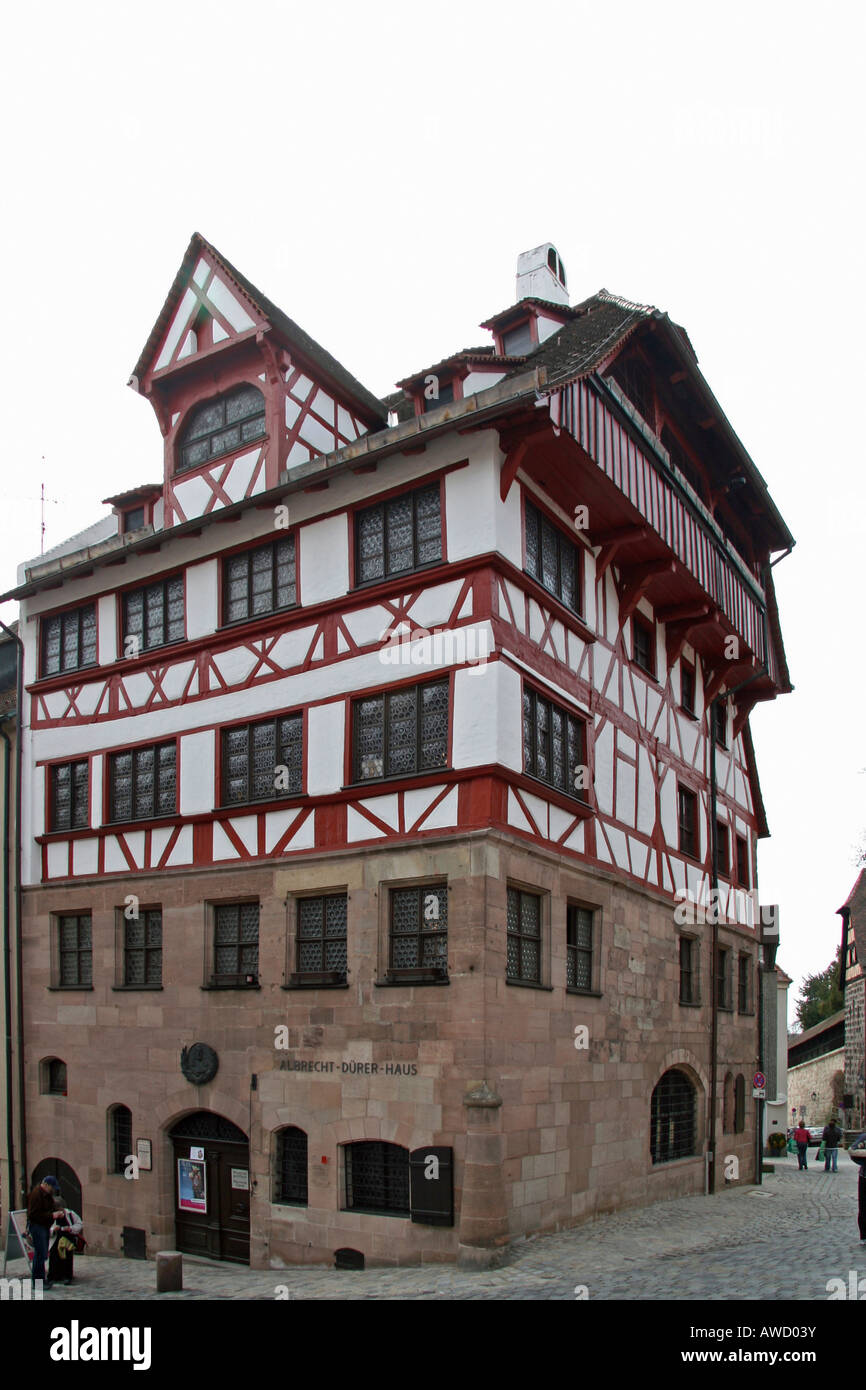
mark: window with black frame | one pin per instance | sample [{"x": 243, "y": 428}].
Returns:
[
  {"x": 689, "y": 949},
  {"x": 321, "y": 939},
  {"x": 142, "y": 949},
  {"x": 235, "y": 945},
  {"x": 377, "y": 1178},
  {"x": 74, "y": 950},
  {"x": 263, "y": 761},
  {"x": 70, "y": 796},
  {"x": 688, "y": 821},
  {"x": 643, "y": 644},
  {"x": 552, "y": 558},
  {"x": 554, "y": 745},
  {"x": 259, "y": 581},
  {"x": 291, "y": 1167},
  {"x": 673, "y": 1118},
  {"x": 419, "y": 931},
  {"x": 579, "y": 945},
  {"x": 401, "y": 534},
  {"x": 402, "y": 732},
  {"x": 68, "y": 640},
  {"x": 142, "y": 783},
  {"x": 220, "y": 426},
  {"x": 153, "y": 616},
  {"x": 523, "y": 938},
  {"x": 120, "y": 1138}
]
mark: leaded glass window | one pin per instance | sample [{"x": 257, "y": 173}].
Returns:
[
  {"x": 672, "y": 1118},
  {"x": 553, "y": 745},
  {"x": 321, "y": 943},
  {"x": 75, "y": 950},
  {"x": 552, "y": 559},
  {"x": 579, "y": 923},
  {"x": 120, "y": 1146},
  {"x": 69, "y": 640},
  {"x": 263, "y": 761},
  {"x": 70, "y": 796},
  {"x": 221, "y": 426},
  {"x": 377, "y": 1178},
  {"x": 291, "y": 1184},
  {"x": 142, "y": 954},
  {"x": 401, "y": 534},
  {"x": 154, "y": 616},
  {"x": 143, "y": 783},
  {"x": 401, "y": 733},
  {"x": 688, "y": 822},
  {"x": 236, "y": 944},
  {"x": 419, "y": 928},
  {"x": 259, "y": 581},
  {"x": 523, "y": 939}
]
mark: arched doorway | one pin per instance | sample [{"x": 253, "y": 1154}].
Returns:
[
  {"x": 70, "y": 1186},
  {"x": 211, "y": 1187}
]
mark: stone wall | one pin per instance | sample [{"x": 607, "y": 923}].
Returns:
[{"x": 815, "y": 1076}]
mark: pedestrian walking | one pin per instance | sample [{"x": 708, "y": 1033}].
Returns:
[
  {"x": 801, "y": 1139},
  {"x": 40, "y": 1219},
  {"x": 857, "y": 1151},
  {"x": 66, "y": 1229},
  {"x": 830, "y": 1139}
]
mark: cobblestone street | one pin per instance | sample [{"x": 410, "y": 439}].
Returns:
[{"x": 784, "y": 1240}]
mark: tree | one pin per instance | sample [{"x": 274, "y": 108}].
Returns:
[{"x": 820, "y": 995}]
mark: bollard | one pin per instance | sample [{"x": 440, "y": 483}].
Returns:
[{"x": 169, "y": 1271}]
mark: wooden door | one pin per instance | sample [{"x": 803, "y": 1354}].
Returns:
[{"x": 220, "y": 1226}]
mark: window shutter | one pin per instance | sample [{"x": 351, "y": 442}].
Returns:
[{"x": 431, "y": 1186}]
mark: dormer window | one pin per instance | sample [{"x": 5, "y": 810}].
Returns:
[
  {"x": 518, "y": 341},
  {"x": 445, "y": 397},
  {"x": 221, "y": 426},
  {"x": 132, "y": 520}
]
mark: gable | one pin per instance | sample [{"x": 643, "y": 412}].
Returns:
[{"x": 210, "y": 312}]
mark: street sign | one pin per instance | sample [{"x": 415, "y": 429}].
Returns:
[
  {"x": 759, "y": 1080},
  {"x": 759, "y": 1093}
]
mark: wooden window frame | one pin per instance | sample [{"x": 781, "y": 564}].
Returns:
[
  {"x": 661, "y": 1102},
  {"x": 386, "y": 696},
  {"x": 232, "y": 979},
  {"x": 521, "y": 936},
  {"x": 144, "y": 916},
  {"x": 183, "y": 470},
  {"x": 79, "y": 815},
  {"x": 574, "y": 950},
  {"x": 744, "y": 984},
  {"x": 141, "y": 591},
  {"x": 719, "y": 717},
  {"x": 68, "y": 616},
  {"x": 249, "y": 553},
  {"x": 154, "y": 812},
  {"x": 535, "y": 516},
  {"x": 273, "y": 793},
  {"x": 687, "y": 669},
  {"x": 419, "y": 973},
  {"x": 119, "y": 1140},
  {"x": 280, "y": 1166},
  {"x": 376, "y": 1150},
  {"x": 382, "y": 506},
  {"x": 742, "y": 861},
  {"x": 723, "y": 849},
  {"x": 646, "y": 628},
  {"x": 723, "y": 979},
  {"x": 689, "y": 835},
  {"x": 690, "y": 973},
  {"x": 81, "y": 953},
  {"x": 323, "y": 977},
  {"x": 530, "y": 754}
]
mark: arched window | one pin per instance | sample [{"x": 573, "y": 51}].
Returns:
[
  {"x": 377, "y": 1178},
  {"x": 53, "y": 1077},
  {"x": 220, "y": 426},
  {"x": 291, "y": 1167},
  {"x": 673, "y": 1118},
  {"x": 728, "y": 1104},
  {"x": 739, "y": 1104},
  {"x": 119, "y": 1137}
]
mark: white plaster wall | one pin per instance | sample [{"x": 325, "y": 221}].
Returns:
[
  {"x": 202, "y": 599},
  {"x": 474, "y": 726},
  {"x": 197, "y": 770},
  {"x": 509, "y": 706},
  {"x": 106, "y": 629},
  {"x": 469, "y": 502},
  {"x": 324, "y": 559},
  {"x": 326, "y": 735}
]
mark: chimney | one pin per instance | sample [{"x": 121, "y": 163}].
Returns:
[{"x": 541, "y": 275}]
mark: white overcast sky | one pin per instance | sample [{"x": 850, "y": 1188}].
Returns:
[{"x": 375, "y": 169}]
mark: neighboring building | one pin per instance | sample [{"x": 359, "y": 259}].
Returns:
[
  {"x": 388, "y": 929},
  {"x": 816, "y": 1065},
  {"x": 853, "y": 914},
  {"x": 776, "y": 1053},
  {"x": 9, "y": 1113}
]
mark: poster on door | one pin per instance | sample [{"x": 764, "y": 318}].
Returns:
[{"x": 191, "y": 1185}]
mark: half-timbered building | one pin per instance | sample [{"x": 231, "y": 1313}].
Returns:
[{"x": 385, "y": 764}]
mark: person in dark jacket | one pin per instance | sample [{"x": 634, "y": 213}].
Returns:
[
  {"x": 857, "y": 1151},
  {"x": 40, "y": 1219},
  {"x": 67, "y": 1225},
  {"x": 801, "y": 1139},
  {"x": 831, "y": 1136}
]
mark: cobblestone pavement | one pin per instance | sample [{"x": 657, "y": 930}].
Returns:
[{"x": 784, "y": 1240}]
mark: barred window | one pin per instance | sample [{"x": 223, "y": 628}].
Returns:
[
  {"x": 377, "y": 1178},
  {"x": 673, "y": 1118},
  {"x": 723, "y": 978},
  {"x": 236, "y": 944},
  {"x": 723, "y": 848},
  {"x": 263, "y": 761},
  {"x": 259, "y": 581},
  {"x": 75, "y": 950},
  {"x": 401, "y": 733},
  {"x": 552, "y": 559},
  {"x": 69, "y": 640},
  {"x": 554, "y": 745},
  {"x": 220, "y": 426},
  {"x": 70, "y": 795},
  {"x": 643, "y": 644},
  {"x": 142, "y": 784},
  {"x": 744, "y": 984},
  {"x": 688, "y": 970},
  {"x": 120, "y": 1138},
  {"x": 523, "y": 941},
  {"x": 401, "y": 534},
  {"x": 321, "y": 944},
  {"x": 142, "y": 948},
  {"x": 688, "y": 822},
  {"x": 419, "y": 929},
  {"x": 154, "y": 616},
  {"x": 579, "y": 926},
  {"x": 291, "y": 1175},
  {"x": 739, "y": 1104}
]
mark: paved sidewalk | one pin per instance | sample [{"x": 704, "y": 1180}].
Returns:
[{"x": 784, "y": 1240}]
